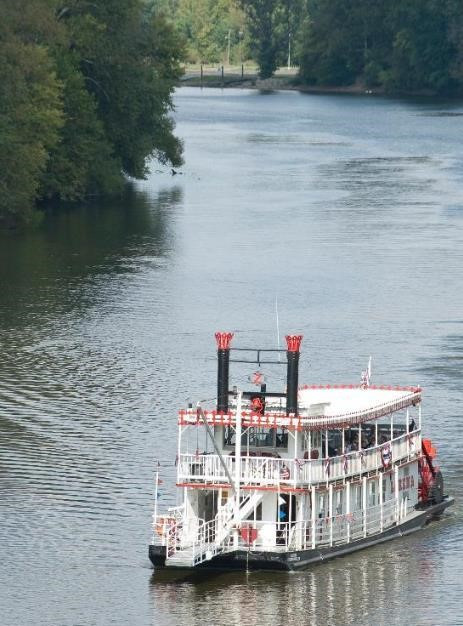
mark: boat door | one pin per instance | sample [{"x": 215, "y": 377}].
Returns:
[{"x": 207, "y": 504}]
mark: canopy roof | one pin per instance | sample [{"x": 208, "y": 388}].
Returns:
[
  {"x": 330, "y": 405},
  {"x": 320, "y": 407}
]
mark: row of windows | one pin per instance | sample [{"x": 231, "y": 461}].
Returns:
[{"x": 258, "y": 438}]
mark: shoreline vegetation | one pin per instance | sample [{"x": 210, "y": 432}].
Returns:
[
  {"x": 85, "y": 100},
  {"x": 282, "y": 80},
  {"x": 86, "y": 87}
]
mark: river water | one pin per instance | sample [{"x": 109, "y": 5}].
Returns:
[{"x": 345, "y": 210}]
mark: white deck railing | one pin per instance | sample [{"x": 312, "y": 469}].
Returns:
[
  {"x": 206, "y": 539},
  {"x": 326, "y": 531},
  {"x": 269, "y": 471}
]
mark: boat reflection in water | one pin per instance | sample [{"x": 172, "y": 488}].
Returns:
[{"x": 336, "y": 592}]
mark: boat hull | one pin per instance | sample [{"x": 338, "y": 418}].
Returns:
[{"x": 299, "y": 559}]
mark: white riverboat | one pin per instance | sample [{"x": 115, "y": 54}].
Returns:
[{"x": 284, "y": 479}]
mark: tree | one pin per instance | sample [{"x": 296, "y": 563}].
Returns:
[
  {"x": 85, "y": 96},
  {"x": 264, "y": 19},
  {"x": 332, "y": 50},
  {"x": 422, "y": 52},
  {"x": 402, "y": 45},
  {"x": 206, "y": 25},
  {"x": 30, "y": 109},
  {"x": 130, "y": 61}
]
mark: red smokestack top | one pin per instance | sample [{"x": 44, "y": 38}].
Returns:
[
  {"x": 223, "y": 340},
  {"x": 293, "y": 342}
]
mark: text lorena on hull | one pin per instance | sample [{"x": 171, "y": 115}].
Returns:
[{"x": 280, "y": 480}]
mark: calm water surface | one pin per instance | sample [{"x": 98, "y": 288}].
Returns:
[{"x": 349, "y": 210}]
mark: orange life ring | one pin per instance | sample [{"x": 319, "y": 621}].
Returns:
[{"x": 163, "y": 524}]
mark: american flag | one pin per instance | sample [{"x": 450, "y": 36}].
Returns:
[{"x": 327, "y": 466}]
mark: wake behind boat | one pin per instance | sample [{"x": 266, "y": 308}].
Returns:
[{"x": 289, "y": 478}]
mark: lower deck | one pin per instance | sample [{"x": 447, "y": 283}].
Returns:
[{"x": 244, "y": 558}]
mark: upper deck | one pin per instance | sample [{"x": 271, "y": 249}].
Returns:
[{"x": 319, "y": 407}]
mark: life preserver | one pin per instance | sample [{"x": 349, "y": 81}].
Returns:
[
  {"x": 257, "y": 405},
  {"x": 386, "y": 455},
  {"x": 163, "y": 524}
]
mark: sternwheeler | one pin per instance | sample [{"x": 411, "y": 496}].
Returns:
[{"x": 283, "y": 479}]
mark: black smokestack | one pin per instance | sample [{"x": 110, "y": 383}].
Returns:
[
  {"x": 223, "y": 359},
  {"x": 293, "y": 343}
]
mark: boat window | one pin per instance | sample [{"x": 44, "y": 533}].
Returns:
[
  {"x": 229, "y": 436},
  {"x": 259, "y": 438}
]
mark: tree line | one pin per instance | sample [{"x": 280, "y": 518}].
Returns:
[
  {"x": 85, "y": 97},
  {"x": 86, "y": 85},
  {"x": 398, "y": 45}
]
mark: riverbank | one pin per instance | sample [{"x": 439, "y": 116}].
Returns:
[
  {"x": 290, "y": 83},
  {"x": 275, "y": 83}
]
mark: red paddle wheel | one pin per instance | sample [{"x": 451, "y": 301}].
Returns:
[{"x": 431, "y": 484}]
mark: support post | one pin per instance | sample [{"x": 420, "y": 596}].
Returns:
[
  {"x": 396, "y": 493},
  {"x": 214, "y": 443},
  {"x": 179, "y": 448},
  {"x": 156, "y": 484},
  {"x": 347, "y": 492},
  {"x": 314, "y": 517},
  {"x": 238, "y": 455},
  {"x": 295, "y": 465},
  {"x": 380, "y": 490},
  {"x": 408, "y": 432},
  {"x": 364, "y": 505},
  {"x": 330, "y": 511}
]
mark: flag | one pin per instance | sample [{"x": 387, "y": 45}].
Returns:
[
  {"x": 327, "y": 466},
  {"x": 366, "y": 375}
]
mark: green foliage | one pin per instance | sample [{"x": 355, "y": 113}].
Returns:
[
  {"x": 265, "y": 19},
  {"x": 403, "y": 45},
  {"x": 85, "y": 95},
  {"x": 83, "y": 162},
  {"x": 207, "y": 25},
  {"x": 30, "y": 115}
]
